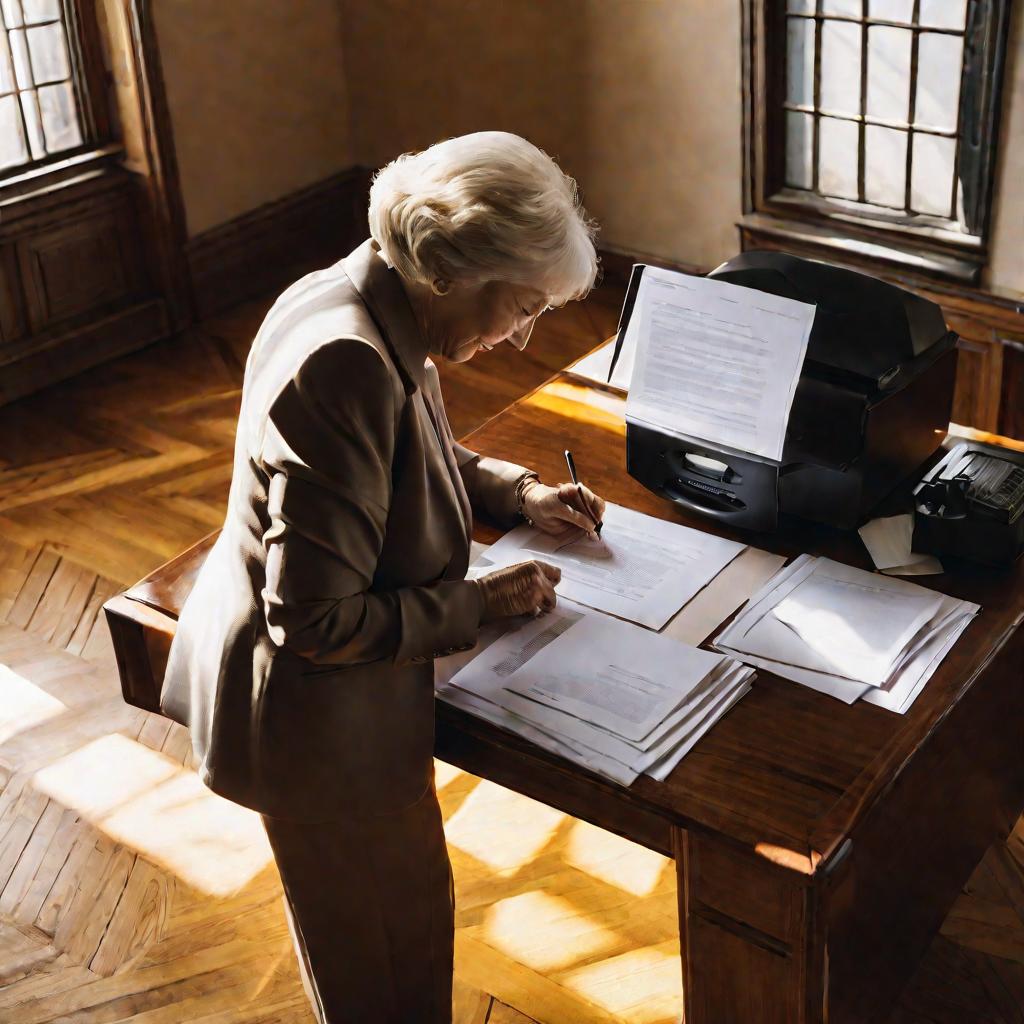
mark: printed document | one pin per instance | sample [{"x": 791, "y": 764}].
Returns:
[
  {"x": 615, "y": 676},
  {"x": 716, "y": 361},
  {"x": 642, "y": 568},
  {"x": 663, "y": 693}
]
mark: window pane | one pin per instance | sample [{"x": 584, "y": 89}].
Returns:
[
  {"x": 837, "y": 158},
  {"x": 40, "y": 10},
  {"x": 6, "y": 71},
  {"x": 60, "y": 121},
  {"x": 889, "y": 72},
  {"x": 892, "y": 10},
  {"x": 12, "y": 140},
  {"x": 21, "y": 63},
  {"x": 800, "y": 6},
  {"x": 885, "y": 166},
  {"x": 12, "y": 13},
  {"x": 799, "y": 149},
  {"x": 850, "y": 8},
  {"x": 800, "y": 61},
  {"x": 939, "y": 69},
  {"x": 35, "y": 129},
  {"x": 49, "y": 56},
  {"x": 840, "y": 67},
  {"x": 943, "y": 13},
  {"x": 931, "y": 175}
]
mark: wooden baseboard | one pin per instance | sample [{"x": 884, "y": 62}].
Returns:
[
  {"x": 83, "y": 347},
  {"x": 274, "y": 244}
]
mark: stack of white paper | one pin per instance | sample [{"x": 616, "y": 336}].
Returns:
[
  {"x": 611, "y": 696},
  {"x": 846, "y": 632}
]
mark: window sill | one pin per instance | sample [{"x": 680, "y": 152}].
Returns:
[
  {"x": 32, "y": 185},
  {"x": 858, "y": 250}
]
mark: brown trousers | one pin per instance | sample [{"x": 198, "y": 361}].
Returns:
[{"x": 371, "y": 908}]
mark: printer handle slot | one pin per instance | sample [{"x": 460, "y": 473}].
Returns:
[{"x": 704, "y": 499}]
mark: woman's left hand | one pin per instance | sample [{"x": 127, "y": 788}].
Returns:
[{"x": 563, "y": 510}]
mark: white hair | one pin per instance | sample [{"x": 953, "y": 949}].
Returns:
[{"x": 484, "y": 207}]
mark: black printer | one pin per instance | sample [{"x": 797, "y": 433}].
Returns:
[{"x": 872, "y": 404}]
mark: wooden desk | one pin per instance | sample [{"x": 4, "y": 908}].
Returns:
[{"x": 818, "y": 846}]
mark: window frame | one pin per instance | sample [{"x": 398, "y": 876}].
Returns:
[
  {"x": 904, "y": 238},
  {"x": 88, "y": 79}
]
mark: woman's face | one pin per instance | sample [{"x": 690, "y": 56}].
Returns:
[{"x": 471, "y": 318}]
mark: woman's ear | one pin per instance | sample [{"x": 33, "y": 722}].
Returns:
[{"x": 440, "y": 286}]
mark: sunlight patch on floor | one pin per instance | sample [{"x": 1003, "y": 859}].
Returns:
[
  {"x": 153, "y": 805},
  {"x": 445, "y": 773},
  {"x": 641, "y": 986},
  {"x": 544, "y": 932},
  {"x": 500, "y": 828},
  {"x": 23, "y": 704},
  {"x": 615, "y": 860}
]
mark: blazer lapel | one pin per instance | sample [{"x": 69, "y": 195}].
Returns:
[
  {"x": 440, "y": 424},
  {"x": 383, "y": 295}
]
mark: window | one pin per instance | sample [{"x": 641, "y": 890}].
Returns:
[
  {"x": 43, "y": 106},
  {"x": 879, "y": 115}
]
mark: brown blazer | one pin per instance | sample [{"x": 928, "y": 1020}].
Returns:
[{"x": 303, "y": 659}]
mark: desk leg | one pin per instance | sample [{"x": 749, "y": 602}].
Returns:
[{"x": 744, "y": 926}]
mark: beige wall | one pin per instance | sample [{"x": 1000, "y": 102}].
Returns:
[
  {"x": 1006, "y": 263},
  {"x": 638, "y": 99},
  {"x": 257, "y": 97}
]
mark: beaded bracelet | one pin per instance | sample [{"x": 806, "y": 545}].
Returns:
[{"x": 520, "y": 487}]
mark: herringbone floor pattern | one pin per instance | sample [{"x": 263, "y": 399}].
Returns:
[{"x": 129, "y": 893}]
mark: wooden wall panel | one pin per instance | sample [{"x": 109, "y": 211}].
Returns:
[
  {"x": 77, "y": 268},
  {"x": 74, "y": 281},
  {"x": 976, "y": 399},
  {"x": 1011, "y": 414},
  {"x": 12, "y": 311}
]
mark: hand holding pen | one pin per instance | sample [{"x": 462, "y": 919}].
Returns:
[{"x": 563, "y": 510}]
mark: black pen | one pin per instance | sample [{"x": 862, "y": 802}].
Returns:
[{"x": 575, "y": 479}]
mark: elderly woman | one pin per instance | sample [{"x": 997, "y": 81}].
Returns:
[{"x": 303, "y": 660}]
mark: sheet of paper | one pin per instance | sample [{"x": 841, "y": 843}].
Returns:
[
  {"x": 889, "y": 541},
  {"x": 643, "y": 569},
  {"x": 594, "y": 366},
  {"x": 859, "y": 629},
  {"x": 615, "y": 676},
  {"x": 716, "y": 361}
]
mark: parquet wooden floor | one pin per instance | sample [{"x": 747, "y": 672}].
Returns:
[{"x": 129, "y": 893}]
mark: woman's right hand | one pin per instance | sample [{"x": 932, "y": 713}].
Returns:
[{"x": 524, "y": 589}]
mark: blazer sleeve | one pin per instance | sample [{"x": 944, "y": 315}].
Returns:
[
  {"x": 491, "y": 484},
  {"x": 328, "y": 450}
]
